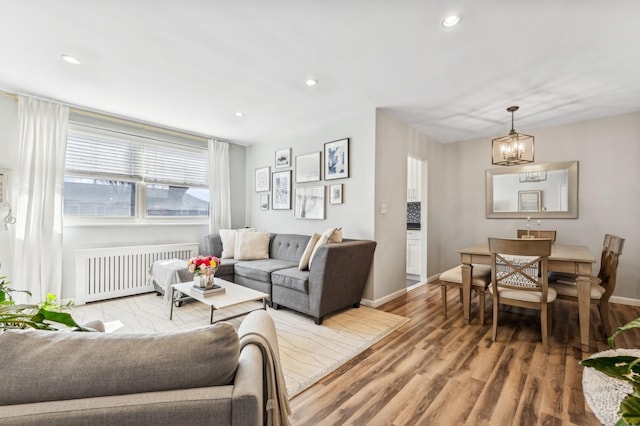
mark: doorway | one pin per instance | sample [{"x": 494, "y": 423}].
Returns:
[{"x": 416, "y": 222}]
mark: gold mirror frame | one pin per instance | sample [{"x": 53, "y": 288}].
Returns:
[{"x": 572, "y": 191}]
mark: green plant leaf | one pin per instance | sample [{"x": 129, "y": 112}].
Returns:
[
  {"x": 630, "y": 409},
  {"x": 628, "y": 326},
  {"x": 623, "y": 367},
  {"x": 59, "y": 317}
]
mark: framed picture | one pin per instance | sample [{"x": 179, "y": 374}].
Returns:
[
  {"x": 335, "y": 194},
  {"x": 529, "y": 201},
  {"x": 336, "y": 159},
  {"x": 264, "y": 201},
  {"x": 281, "y": 190},
  {"x": 309, "y": 202},
  {"x": 283, "y": 158},
  {"x": 308, "y": 167},
  {"x": 262, "y": 179}
]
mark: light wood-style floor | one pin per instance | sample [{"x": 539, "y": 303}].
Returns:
[{"x": 436, "y": 371}]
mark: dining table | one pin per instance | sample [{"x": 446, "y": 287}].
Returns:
[{"x": 574, "y": 259}]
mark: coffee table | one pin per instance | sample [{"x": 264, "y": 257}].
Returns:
[{"x": 234, "y": 294}]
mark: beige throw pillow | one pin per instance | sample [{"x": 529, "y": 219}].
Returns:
[
  {"x": 238, "y": 233},
  {"x": 327, "y": 237},
  {"x": 252, "y": 245},
  {"x": 304, "y": 260},
  {"x": 336, "y": 236}
]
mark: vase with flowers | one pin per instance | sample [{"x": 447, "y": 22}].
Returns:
[{"x": 203, "y": 269}]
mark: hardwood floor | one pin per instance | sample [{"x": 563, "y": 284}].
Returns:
[{"x": 436, "y": 371}]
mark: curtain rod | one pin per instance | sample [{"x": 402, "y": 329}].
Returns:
[{"x": 131, "y": 122}]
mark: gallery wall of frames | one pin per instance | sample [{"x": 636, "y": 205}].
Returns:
[{"x": 306, "y": 183}]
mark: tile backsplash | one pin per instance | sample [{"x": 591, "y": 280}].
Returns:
[{"x": 413, "y": 212}]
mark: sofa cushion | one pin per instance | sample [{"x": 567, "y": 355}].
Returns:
[
  {"x": 252, "y": 245},
  {"x": 292, "y": 278},
  {"x": 226, "y": 267},
  {"x": 260, "y": 270},
  {"x": 98, "y": 364},
  {"x": 304, "y": 260},
  {"x": 288, "y": 246}
]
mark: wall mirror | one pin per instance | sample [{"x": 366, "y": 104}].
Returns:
[{"x": 539, "y": 191}]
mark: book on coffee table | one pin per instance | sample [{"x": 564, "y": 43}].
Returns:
[{"x": 208, "y": 291}]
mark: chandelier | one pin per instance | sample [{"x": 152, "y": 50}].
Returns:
[{"x": 514, "y": 148}]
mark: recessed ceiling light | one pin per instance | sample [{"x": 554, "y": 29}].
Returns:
[
  {"x": 239, "y": 114},
  {"x": 450, "y": 21},
  {"x": 311, "y": 82},
  {"x": 70, "y": 59}
]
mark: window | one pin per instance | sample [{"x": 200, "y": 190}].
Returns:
[{"x": 118, "y": 175}]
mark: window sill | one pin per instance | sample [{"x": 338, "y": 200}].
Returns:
[{"x": 89, "y": 223}]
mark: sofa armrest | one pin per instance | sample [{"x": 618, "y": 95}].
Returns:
[
  {"x": 247, "y": 406},
  {"x": 338, "y": 275},
  {"x": 213, "y": 245},
  {"x": 248, "y": 398}
]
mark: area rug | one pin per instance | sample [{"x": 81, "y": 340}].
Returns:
[{"x": 308, "y": 352}]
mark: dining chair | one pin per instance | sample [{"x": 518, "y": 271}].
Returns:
[
  {"x": 519, "y": 278},
  {"x": 602, "y": 285},
  {"x": 480, "y": 279},
  {"x": 522, "y": 233}
]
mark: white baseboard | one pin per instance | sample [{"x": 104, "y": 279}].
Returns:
[
  {"x": 378, "y": 302},
  {"x": 624, "y": 301},
  {"x": 432, "y": 278}
]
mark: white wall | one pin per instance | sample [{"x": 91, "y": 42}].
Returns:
[
  {"x": 76, "y": 237},
  {"x": 609, "y": 199},
  {"x": 8, "y": 157}
]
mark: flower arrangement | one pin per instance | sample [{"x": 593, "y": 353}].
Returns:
[{"x": 203, "y": 265}]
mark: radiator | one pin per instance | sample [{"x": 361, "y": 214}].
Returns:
[{"x": 105, "y": 273}]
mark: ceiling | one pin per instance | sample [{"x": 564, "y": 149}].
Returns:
[{"x": 193, "y": 64}]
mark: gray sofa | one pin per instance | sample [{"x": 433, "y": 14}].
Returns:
[
  {"x": 335, "y": 279},
  {"x": 193, "y": 377}
]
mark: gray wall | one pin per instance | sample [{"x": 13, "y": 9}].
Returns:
[
  {"x": 355, "y": 215},
  {"x": 609, "y": 200},
  {"x": 394, "y": 142},
  {"x": 608, "y": 150}
]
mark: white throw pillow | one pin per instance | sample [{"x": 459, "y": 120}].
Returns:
[
  {"x": 229, "y": 239},
  {"x": 252, "y": 245},
  {"x": 304, "y": 260}
]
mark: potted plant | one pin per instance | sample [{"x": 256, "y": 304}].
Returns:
[
  {"x": 44, "y": 316},
  {"x": 622, "y": 367}
]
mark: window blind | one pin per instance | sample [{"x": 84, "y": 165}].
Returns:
[{"x": 100, "y": 153}]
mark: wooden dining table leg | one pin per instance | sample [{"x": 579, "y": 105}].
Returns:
[
  {"x": 466, "y": 290},
  {"x": 584, "y": 309}
]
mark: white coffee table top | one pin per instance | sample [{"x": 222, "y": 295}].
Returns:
[{"x": 233, "y": 294}]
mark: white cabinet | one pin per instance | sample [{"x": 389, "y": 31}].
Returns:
[
  {"x": 413, "y": 252},
  {"x": 414, "y": 178}
]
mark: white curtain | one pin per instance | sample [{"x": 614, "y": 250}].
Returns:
[
  {"x": 37, "y": 264},
  {"x": 219, "y": 187}
]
